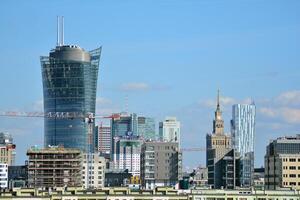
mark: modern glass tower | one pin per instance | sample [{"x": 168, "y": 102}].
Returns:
[
  {"x": 69, "y": 85},
  {"x": 243, "y": 131}
]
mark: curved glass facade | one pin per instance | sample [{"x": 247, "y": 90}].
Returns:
[{"x": 69, "y": 85}]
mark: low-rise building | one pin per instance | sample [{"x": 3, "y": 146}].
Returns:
[
  {"x": 93, "y": 171},
  {"x": 17, "y": 176},
  {"x": 282, "y": 163},
  {"x": 54, "y": 167}
]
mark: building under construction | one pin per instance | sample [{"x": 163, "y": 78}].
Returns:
[{"x": 54, "y": 167}]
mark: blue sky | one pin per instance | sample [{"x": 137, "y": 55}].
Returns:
[{"x": 168, "y": 58}]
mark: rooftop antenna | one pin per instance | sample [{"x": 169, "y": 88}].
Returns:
[
  {"x": 62, "y": 30},
  {"x": 126, "y": 104},
  {"x": 57, "y": 32}
]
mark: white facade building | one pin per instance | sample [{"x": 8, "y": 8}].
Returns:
[
  {"x": 127, "y": 154},
  {"x": 93, "y": 171},
  {"x": 169, "y": 130},
  {"x": 3, "y": 175}
]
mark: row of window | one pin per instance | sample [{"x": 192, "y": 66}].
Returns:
[{"x": 291, "y": 160}]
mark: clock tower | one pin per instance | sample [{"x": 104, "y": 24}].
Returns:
[{"x": 218, "y": 124}]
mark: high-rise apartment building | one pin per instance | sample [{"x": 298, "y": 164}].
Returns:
[
  {"x": 169, "y": 130},
  {"x": 104, "y": 139},
  {"x": 7, "y": 149},
  {"x": 127, "y": 152},
  {"x": 54, "y": 167},
  {"x": 93, "y": 173},
  {"x": 242, "y": 133},
  {"x": 146, "y": 128},
  {"x": 220, "y": 157},
  {"x": 282, "y": 163},
  {"x": 161, "y": 164},
  {"x": 70, "y": 83}
]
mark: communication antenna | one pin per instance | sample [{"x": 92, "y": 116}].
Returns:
[
  {"x": 60, "y": 31},
  {"x": 57, "y": 32}
]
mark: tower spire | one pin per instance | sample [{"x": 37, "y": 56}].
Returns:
[{"x": 218, "y": 100}]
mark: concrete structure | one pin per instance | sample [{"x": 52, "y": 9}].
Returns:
[
  {"x": 146, "y": 128},
  {"x": 122, "y": 193},
  {"x": 161, "y": 164},
  {"x": 219, "y": 153},
  {"x": 3, "y": 175},
  {"x": 242, "y": 133},
  {"x": 104, "y": 139},
  {"x": 282, "y": 163},
  {"x": 54, "y": 167},
  {"x": 127, "y": 152},
  {"x": 169, "y": 130},
  {"x": 96, "y": 171},
  {"x": 69, "y": 85}
]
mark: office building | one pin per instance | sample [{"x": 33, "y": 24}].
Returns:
[
  {"x": 219, "y": 153},
  {"x": 69, "y": 85},
  {"x": 7, "y": 149},
  {"x": 242, "y": 133},
  {"x": 7, "y": 154},
  {"x": 3, "y": 175},
  {"x": 127, "y": 152},
  {"x": 282, "y": 163},
  {"x": 169, "y": 130},
  {"x": 54, "y": 167},
  {"x": 17, "y": 176},
  {"x": 104, "y": 139},
  {"x": 161, "y": 164},
  {"x": 117, "y": 178},
  {"x": 146, "y": 128},
  {"x": 93, "y": 171}
]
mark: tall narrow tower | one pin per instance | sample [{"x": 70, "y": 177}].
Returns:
[
  {"x": 218, "y": 124},
  {"x": 69, "y": 85}
]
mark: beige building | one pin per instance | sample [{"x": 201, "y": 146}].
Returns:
[
  {"x": 282, "y": 163},
  {"x": 93, "y": 171},
  {"x": 7, "y": 154},
  {"x": 54, "y": 167},
  {"x": 218, "y": 146}
]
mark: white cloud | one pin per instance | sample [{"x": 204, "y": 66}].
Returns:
[
  {"x": 135, "y": 87},
  {"x": 270, "y": 112},
  {"x": 289, "y": 98}
]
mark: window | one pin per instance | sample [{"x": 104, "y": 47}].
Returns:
[
  {"x": 293, "y": 167},
  {"x": 292, "y": 175},
  {"x": 292, "y": 159}
]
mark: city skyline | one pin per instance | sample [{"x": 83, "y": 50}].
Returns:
[{"x": 175, "y": 57}]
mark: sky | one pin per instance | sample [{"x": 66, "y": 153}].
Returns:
[{"x": 161, "y": 58}]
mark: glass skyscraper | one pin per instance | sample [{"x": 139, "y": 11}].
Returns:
[
  {"x": 146, "y": 128},
  {"x": 243, "y": 132},
  {"x": 69, "y": 84}
]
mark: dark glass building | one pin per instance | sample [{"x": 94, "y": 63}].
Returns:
[{"x": 69, "y": 84}]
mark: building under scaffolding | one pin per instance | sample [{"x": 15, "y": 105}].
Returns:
[{"x": 54, "y": 167}]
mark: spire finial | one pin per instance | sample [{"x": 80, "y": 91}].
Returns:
[{"x": 218, "y": 100}]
